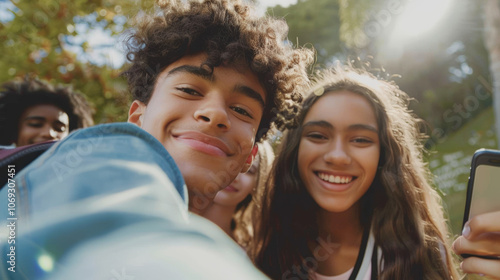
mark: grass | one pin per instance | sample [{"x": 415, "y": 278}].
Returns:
[{"x": 450, "y": 164}]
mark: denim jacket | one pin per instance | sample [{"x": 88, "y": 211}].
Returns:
[{"x": 108, "y": 202}]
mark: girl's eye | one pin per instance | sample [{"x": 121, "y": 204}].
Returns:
[
  {"x": 189, "y": 91},
  {"x": 362, "y": 140},
  {"x": 316, "y": 136},
  {"x": 241, "y": 111}
]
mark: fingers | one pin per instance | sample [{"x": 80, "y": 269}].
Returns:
[
  {"x": 487, "y": 244},
  {"x": 481, "y": 236},
  {"x": 488, "y": 222},
  {"x": 490, "y": 268}
]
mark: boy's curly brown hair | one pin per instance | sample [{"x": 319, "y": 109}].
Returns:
[{"x": 230, "y": 35}]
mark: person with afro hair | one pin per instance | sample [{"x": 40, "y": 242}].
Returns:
[{"x": 34, "y": 111}]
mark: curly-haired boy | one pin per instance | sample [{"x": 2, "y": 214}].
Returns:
[{"x": 208, "y": 79}]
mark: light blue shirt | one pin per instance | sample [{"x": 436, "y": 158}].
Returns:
[{"x": 108, "y": 202}]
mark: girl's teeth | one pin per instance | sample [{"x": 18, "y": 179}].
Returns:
[{"x": 334, "y": 179}]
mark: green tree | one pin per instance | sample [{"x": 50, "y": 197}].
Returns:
[
  {"x": 440, "y": 71},
  {"x": 313, "y": 23},
  {"x": 492, "y": 42},
  {"x": 39, "y": 37}
]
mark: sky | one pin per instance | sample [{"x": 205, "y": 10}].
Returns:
[
  {"x": 115, "y": 57},
  {"x": 4, "y": 14}
]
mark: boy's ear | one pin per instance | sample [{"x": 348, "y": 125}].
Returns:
[
  {"x": 135, "y": 112},
  {"x": 250, "y": 159}
]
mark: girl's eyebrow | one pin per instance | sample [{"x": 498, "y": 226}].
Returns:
[
  {"x": 363, "y": 127},
  {"x": 328, "y": 125},
  {"x": 318, "y": 123}
]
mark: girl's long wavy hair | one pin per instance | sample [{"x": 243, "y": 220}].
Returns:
[
  {"x": 248, "y": 211},
  {"x": 401, "y": 206}
]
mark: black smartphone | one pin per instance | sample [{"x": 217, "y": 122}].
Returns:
[{"x": 483, "y": 188}]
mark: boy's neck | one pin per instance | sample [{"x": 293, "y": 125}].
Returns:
[
  {"x": 198, "y": 203},
  {"x": 221, "y": 215}
]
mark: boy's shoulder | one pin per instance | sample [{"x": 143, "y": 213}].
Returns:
[
  {"x": 16, "y": 159},
  {"x": 113, "y": 155}
]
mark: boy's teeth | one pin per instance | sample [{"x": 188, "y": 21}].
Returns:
[{"x": 335, "y": 179}]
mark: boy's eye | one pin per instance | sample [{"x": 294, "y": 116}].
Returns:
[
  {"x": 189, "y": 91},
  {"x": 241, "y": 111},
  {"x": 60, "y": 127},
  {"x": 35, "y": 124}
]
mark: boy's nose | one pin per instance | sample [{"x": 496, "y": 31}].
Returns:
[
  {"x": 48, "y": 133},
  {"x": 214, "y": 113}
]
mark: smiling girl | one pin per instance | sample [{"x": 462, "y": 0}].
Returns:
[
  {"x": 235, "y": 207},
  {"x": 350, "y": 196}
]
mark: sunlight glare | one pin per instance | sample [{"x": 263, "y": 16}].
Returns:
[
  {"x": 46, "y": 262},
  {"x": 420, "y": 17}
]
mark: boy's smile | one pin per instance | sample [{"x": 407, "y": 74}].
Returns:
[
  {"x": 204, "y": 143},
  {"x": 42, "y": 122},
  {"x": 206, "y": 121}
]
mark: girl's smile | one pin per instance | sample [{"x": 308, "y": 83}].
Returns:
[{"x": 339, "y": 150}]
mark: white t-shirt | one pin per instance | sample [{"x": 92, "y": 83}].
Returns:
[
  {"x": 365, "y": 271},
  {"x": 343, "y": 276}
]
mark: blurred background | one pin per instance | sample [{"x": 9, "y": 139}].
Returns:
[{"x": 443, "y": 53}]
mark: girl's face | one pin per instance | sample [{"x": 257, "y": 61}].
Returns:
[
  {"x": 339, "y": 150},
  {"x": 240, "y": 187}
]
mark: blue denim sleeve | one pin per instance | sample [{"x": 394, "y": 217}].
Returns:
[{"x": 99, "y": 203}]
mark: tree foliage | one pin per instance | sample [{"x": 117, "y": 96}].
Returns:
[
  {"x": 492, "y": 42},
  {"x": 39, "y": 37},
  {"x": 314, "y": 23},
  {"x": 444, "y": 71}
]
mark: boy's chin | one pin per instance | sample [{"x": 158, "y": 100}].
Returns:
[{"x": 201, "y": 196}]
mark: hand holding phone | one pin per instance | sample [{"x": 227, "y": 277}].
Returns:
[
  {"x": 481, "y": 237},
  {"x": 483, "y": 189},
  {"x": 483, "y": 196}
]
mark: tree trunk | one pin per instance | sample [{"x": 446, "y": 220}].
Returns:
[{"x": 492, "y": 43}]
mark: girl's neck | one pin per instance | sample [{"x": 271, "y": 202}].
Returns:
[
  {"x": 339, "y": 241},
  {"x": 342, "y": 227},
  {"x": 221, "y": 215}
]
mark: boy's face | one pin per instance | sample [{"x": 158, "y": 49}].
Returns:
[
  {"x": 40, "y": 123},
  {"x": 207, "y": 122}
]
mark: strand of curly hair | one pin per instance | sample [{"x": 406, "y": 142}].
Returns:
[{"x": 231, "y": 35}]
